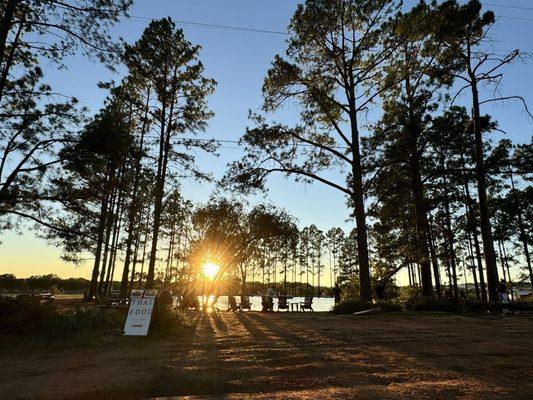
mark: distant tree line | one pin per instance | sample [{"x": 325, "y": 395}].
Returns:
[{"x": 43, "y": 282}]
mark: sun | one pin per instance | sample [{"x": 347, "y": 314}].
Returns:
[{"x": 210, "y": 270}]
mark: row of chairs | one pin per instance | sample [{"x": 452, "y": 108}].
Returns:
[
  {"x": 283, "y": 304},
  {"x": 245, "y": 303},
  {"x": 268, "y": 303}
]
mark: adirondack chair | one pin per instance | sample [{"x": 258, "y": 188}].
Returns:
[
  {"x": 233, "y": 304},
  {"x": 267, "y": 303},
  {"x": 307, "y": 304},
  {"x": 282, "y": 303},
  {"x": 245, "y": 303}
]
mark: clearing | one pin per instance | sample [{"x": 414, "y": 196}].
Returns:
[{"x": 290, "y": 356}]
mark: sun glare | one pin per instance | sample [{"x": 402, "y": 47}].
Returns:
[{"x": 210, "y": 270}]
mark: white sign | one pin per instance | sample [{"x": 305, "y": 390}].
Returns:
[{"x": 140, "y": 312}]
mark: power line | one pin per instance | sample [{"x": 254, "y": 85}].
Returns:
[
  {"x": 285, "y": 33},
  {"x": 216, "y": 26},
  {"x": 507, "y": 6},
  {"x": 189, "y": 141},
  {"x": 517, "y": 18}
]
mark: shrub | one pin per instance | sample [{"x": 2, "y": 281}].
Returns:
[
  {"x": 32, "y": 319},
  {"x": 488, "y": 306},
  {"x": 389, "y": 306},
  {"x": 166, "y": 321},
  {"x": 23, "y": 315},
  {"x": 84, "y": 322},
  {"x": 495, "y": 307},
  {"x": 435, "y": 305},
  {"x": 30, "y": 316},
  {"x": 520, "y": 306},
  {"x": 352, "y": 306}
]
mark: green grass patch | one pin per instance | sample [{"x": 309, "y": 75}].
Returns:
[{"x": 26, "y": 321}]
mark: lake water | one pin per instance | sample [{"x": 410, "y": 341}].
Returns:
[{"x": 320, "y": 304}]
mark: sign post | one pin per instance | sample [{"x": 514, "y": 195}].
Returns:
[{"x": 140, "y": 312}]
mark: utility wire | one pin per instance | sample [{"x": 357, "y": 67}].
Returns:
[
  {"x": 517, "y": 18},
  {"x": 217, "y": 26},
  {"x": 507, "y": 6},
  {"x": 190, "y": 141},
  {"x": 285, "y": 33}
]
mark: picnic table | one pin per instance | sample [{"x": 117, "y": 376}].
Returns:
[
  {"x": 115, "y": 303},
  {"x": 46, "y": 296}
]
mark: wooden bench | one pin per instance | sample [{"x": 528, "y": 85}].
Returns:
[
  {"x": 115, "y": 303},
  {"x": 47, "y": 297}
]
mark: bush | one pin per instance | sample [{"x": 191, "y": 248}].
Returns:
[
  {"x": 85, "y": 323},
  {"x": 352, "y": 306},
  {"x": 520, "y": 306},
  {"x": 32, "y": 319},
  {"x": 435, "y": 305},
  {"x": 495, "y": 307},
  {"x": 30, "y": 316},
  {"x": 166, "y": 321},
  {"x": 484, "y": 307},
  {"x": 389, "y": 306},
  {"x": 23, "y": 315}
]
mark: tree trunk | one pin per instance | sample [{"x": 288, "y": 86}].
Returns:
[
  {"x": 502, "y": 261},
  {"x": 101, "y": 231},
  {"x": 109, "y": 227},
  {"x": 508, "y": 270},
  {"x": 450, "y": 235},
  {"x": 472, "y": 226},
  {"x": 135, "y": 260},
  {"x": 434, "y": 258},
  {"x": 114, "y": 247},
  {"x": 523, "y": 236},
  {"x": 143, "y": 260},
  {"x": 133, "y": 210},
  {"x": 6, "y": 66},
  {"x": 164, "y": 154},
  {"x": 420, "y": 224},
  {"x": 413, "y": 132},
  {"x": 472, "y": 264},
  {"x": 159, "y": 192},
  {"x": 486, "y": 231},
  {"x": 5, "y": 26}
]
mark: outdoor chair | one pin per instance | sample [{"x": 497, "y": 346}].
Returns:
[
  {"x": 307, "y": 304},
  {"x": 282, "y": 303},
  {"x": 189, "y": 301},
  {"x": 267, "y": 303},
  {"x": 233, "y": 304},
  {"x": 245, "y": 303}
]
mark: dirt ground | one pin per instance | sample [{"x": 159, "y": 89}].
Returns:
[{"x": 291, "y": 356}]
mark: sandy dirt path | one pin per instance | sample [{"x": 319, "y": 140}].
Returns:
[{"x": 291, "y": 356}]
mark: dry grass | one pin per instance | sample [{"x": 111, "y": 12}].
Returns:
[{"x": 285, "y": 356}]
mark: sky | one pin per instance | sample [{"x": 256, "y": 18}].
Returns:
[{"x": 238, "y": 61}]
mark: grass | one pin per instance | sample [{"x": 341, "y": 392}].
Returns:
[{"x": 29, "y": 322}]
